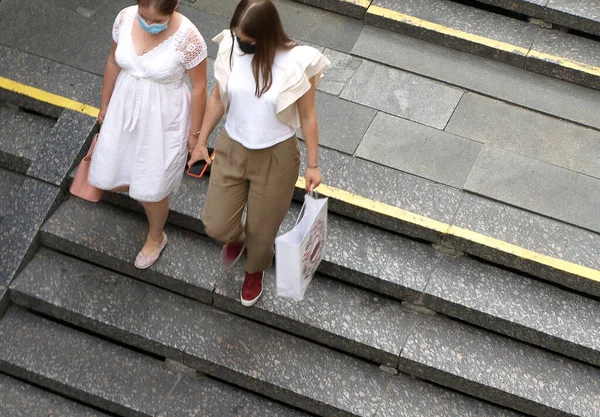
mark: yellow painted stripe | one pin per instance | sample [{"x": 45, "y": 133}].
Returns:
[
  {"x": 356, "y": 200},
  {"x": 47, "y": 97},
  {"x": 481, "y": 40},
  {"x": 434, "y": 27}
]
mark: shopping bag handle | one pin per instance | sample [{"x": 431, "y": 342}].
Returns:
[{"x": 312, "y": 194}]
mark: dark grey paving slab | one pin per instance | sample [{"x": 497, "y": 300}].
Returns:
[
  {"x": 560, "y": 45},
  {"x": 350, "y": 8},
  {"x": 81, "y": 366},
  {"x": 209, "y": 25},
  {"x": 18, "y": 399},
  {"x": 84, "y": 7},
  {"x": 389, "y": 186},
  {"x": 581, "y": 15},
  {"x": 67, "y": 142},
  {"x": 21, "y": 135},
  {"x": 402, "y": 94},
  {"x": 20, "y": 228},
  {"x": 408, "y": 397},
  {"x": 336, "y": 314},
  {"x": 46, "y": 30},
  {"x": 208, "y": 398},
  {"x": 342, "y": 124},
  {"x": 528, "y": 133},
  {"x": 522, "y": 308},
  {"x": 530, "y": 8},
  {"x": 283, "y": 367},
  {"x": 419, "y": 150},
  {"x": 492, "y": 78},
  {"x": 514, "y": 179},
  {"x": 533, "y": 232},
  {"x": 10, "y": 183},
  {"x": 51, "y": 76},
  {"x": 339, "y": 72},
  {"x": 111, "y": 237},
  {"x": 108, "y": 303},
  {"x": 502, "y": 370},
  {"x": 461, "y": 18}
]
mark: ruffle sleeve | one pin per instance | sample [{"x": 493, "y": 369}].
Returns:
[
  {"x": 308, "y": 63},
  {"x": 222, "y": 66}
]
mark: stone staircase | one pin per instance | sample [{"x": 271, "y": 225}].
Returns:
[
  {"x": 551, "y": 37},
  {"x": 390, "y": 326}
]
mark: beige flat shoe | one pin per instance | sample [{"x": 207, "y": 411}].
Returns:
[{"x": 144, "y": 262}]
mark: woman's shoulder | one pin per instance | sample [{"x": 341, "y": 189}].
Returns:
[
  {"x": 298, "y": 57},
  {"x": 128, "y": 11}
]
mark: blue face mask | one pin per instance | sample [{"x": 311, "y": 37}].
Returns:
[{"x": 154, "y": 28}]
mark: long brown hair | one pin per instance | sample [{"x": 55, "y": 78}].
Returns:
[
  {"x": 166, "y": 7},
  {"x": 259, "y": 19}
]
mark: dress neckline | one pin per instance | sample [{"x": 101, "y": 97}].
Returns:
[{"x": 132, "y": 21}]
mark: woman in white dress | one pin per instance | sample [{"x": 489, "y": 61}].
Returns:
[
  {"x": 266, "y": 85},
  {"x": 150, "y": 120}
]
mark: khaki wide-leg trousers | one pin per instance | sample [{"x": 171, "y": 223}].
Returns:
[{"x": 262, "y": 178}]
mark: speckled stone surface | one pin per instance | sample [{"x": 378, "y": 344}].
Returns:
[
  {"x": 21, "y": 135},
  {"x": 111, "y": 304},
  {"x": 341, "y": 133},
  {"x": 463, "y": 18},
  {"x": 502, "y": 370},
  {"x": 388, "y": 186},
  {"x": 4, "y": 299},
  {"x": 18, "y": 399},
  {"x": 583, "y": 15},
  {"x": 332, "y": 313},
  {"x": 54, "y": 27},
  {"x": 409, "y": 398},
  {"x": 81, "y": 366},
  {"x": 402, "y": 94},
  {"x": 112, "y": 237},
  {"x": 51, "y": 76},
  {"x": 21, "y": 224},
  {"x": 531, "y": 8},
  {"x": 514, "y": 179},
  {"x": 522, "y": 308},
  {"x": 339, "y": 72},
  {"x": 10, "y": 182},
  {"x": 492, "y": 78},
  {"x": 196, "y": 397},
  {"x": 529, "y": 133},
  {"x": 419, "y": 150},
  {"x": 565, "y": 45},
  {"x": 530, "y": 231},
  {"x": 346, "y": 7},
  {"x": 288, "y": 369},
  {"x": 65, "y": 143}
]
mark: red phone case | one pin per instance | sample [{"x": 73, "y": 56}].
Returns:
[{"x": 212, "y": 158}]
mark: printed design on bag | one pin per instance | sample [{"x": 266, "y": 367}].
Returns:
[{"x": 314, "y": 250}]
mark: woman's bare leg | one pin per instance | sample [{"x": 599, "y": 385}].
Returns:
[{"x": 157, "y": 218}]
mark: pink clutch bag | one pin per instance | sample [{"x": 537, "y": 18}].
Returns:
[{"x": 80, "y": 186}]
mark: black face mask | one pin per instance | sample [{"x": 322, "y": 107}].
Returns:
[{"x": 246, "y": 47}]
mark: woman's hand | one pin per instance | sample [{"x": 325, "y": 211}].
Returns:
[
  {"x": 192, "y": 142},
  {"x": 101, "y": 115},
  {"x": 199, "y": 153},
  {"x": 312, "y": 177}
]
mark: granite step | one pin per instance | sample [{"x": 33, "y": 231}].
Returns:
[
  {"x": 231, "y": 348},
  {"x": 18, "y": 398},
  {"x": 10, "y": 182},
  {"x": 113, "y": 378},
  {"x": 386, "y": 263},
  {"x": 373, "y": 326},
  {"x": 20, "y": 134}
]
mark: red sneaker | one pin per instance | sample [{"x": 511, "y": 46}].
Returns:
[
  {"x": 231, "y": 253},
  {"x": 252, "y": 288}
]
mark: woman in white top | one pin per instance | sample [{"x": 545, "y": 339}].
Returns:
[
  {"x": 149, "y": 118},
  {"x": 266, "y": 85}
]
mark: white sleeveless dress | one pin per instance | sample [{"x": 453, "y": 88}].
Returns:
[{"x": 143, "y": 140}]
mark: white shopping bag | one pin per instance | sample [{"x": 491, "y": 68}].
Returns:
[{"x": 299, "y": 252}]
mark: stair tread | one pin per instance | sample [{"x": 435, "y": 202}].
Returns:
[
  {"x": 20, "y": 399},
  {"x": 111, "y": 377},
  {"x": 229, "y": 347}
]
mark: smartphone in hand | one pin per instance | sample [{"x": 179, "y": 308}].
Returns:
[{"x": 199, "y": 168}]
